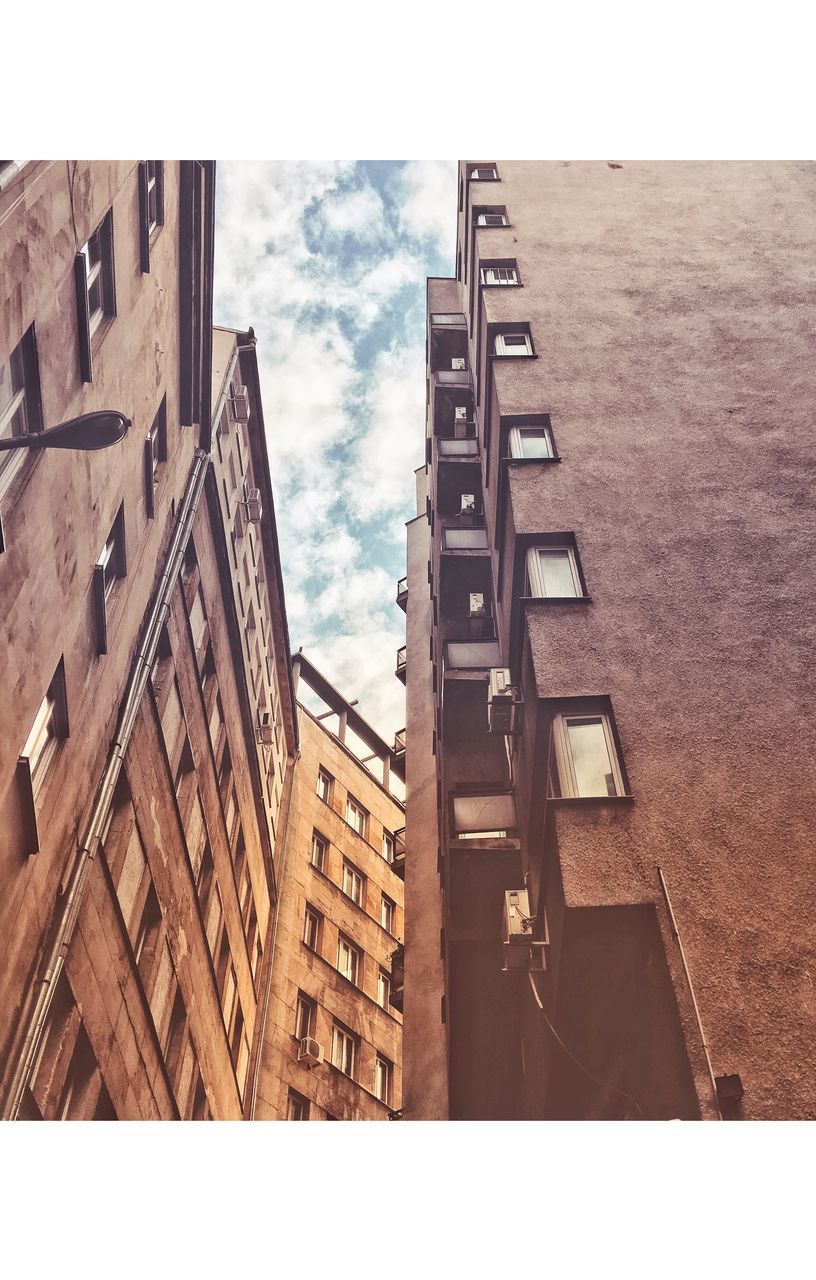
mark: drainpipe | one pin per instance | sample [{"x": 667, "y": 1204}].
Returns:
[{"x": 141, "y": 667}]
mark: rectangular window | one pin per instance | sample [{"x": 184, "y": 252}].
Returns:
[
  {"x": 49, "y": 728},
  {"x": 311, "y": 929},
  {"x": 382, "y": 1080},
  {"x": 491, "y": 220},
  {"x": 513, "y": 344},
  {"x": 356, "y": 816},
  {"x": 499, "y": 275},
  {"x": 484, "y": 173},
  {"x": 344, "y": 1048},
  {"x": 96, "y": 294},
  {"x": 348, "y": 959},
  {"x": 305, "y": 1013},
  {"x": 552, "y": 572},
  {"x": 109, "y": 568},
  {"x": 531, "y": 442},
  {"x": 325, "y": 784},
  {"x": 151, "y": 206},
  {"x": 383, "y": 989},
  {"x": 297, "y": 1107},
  {"x": 318, "y": 854},
  {"x": 388, "y": 846},
  {"x": 387, "y": 913},
  {"x": 19, "y": 404},
  {"x": 458, "y": 362},
  {"x": 155, "y": 455},
  {"x": 586, "y": 756},
  {"x": 353, "y": 883}
]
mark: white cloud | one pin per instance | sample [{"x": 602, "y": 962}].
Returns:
[
  {"x": 426, "y": 190},
  {"x": 360, "y": 214},
  {"x": 386, "y": 456}
]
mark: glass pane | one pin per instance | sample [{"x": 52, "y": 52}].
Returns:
[
  {"x": 590, "y": 758},
  {"x": 535, "y": 442},
  {"x": 556, "y": 572}
]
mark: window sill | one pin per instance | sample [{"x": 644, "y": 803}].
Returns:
[
  {"x": 583, "y": 802},
  {"x": 500, "y": 355},
  {"x": 100, "y": 332},
  {"x": 527, "y": 461},
  {"x": 554, "y": 600},
  {"x": 516, "y": 284}
]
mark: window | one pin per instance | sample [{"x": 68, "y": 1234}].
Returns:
[
  {"x": 586, "y": 756},
  {"x": 513, "y": 344},
  {"x": 318, "y": 854},
  {"x": 387, "y": 913},
  {"x": 110, "y": 566},
  {"x": 297, "y": 1107},
  {"x": 484, "y": 173},
  {"x": 552, "y": 572},
  {"x": 382, "y": 1080},
  {"x": 325, "y": 784},
  {"x": 348, "y": 959},
  {"x": 383, "y": 989},
  {"x": 311, "y": 928},
  {"x": 499, "y": 275},
  {"x": 155, "y": 455},
  {"x": 487, "y": 219},
  {"x": 96, "y": 298},
  {"x": 353, "y": 883},
  {"x": 356, "y": 816},
  {"x": 458, "y": 362},
  {"x": 531, "y": 442},
  {"x": 305, "y": 1012},
  {"x": 49, "y": 727},
  {"x": 19, "y": 404},
  {"x": 151, "y": 207},
  {"x": 344, "y": 1048},
  {"x": 388, "y": 845}
]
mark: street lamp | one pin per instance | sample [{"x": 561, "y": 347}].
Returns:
[{"x": 90, "y": 431}]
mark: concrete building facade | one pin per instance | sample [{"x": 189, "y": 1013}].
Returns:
[
  {"x": 608, "y": 659},
  {"x": 332, "y": 1047},
  {"x": 147, "y": 704}
]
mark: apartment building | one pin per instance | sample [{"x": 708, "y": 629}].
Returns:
[
  {"x": 146, "y": 696},
  {"x": 332, "y": 1047},
  {"x": 608, "y": 655}
]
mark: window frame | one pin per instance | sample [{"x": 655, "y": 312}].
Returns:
[
  {"x": 346, "y": 1042},
  {"x": 515, "y": 437},
  {"x": 388, "y": 841},
  {"x": 323, "y": 774},
  {"x": 51, "y": 713},
  {"x": 388, "y": 911},
  {"x": 567, "y": 777},
  {"x": 534, "y": 578},
  {"x": 297, "y": 1101},
  {"x": 355, "y": 959},
  {"x": 357, "y": 880},
  {"x": 383, "y": 985},
  {"x": 509, "y": 266},
  {"x": 109, "y": 570},
  {"x": 24, "y": 401},
  {"x": 90, "y": 270},
  {"x": 151, "y": 191},
  {"x": 306, "y": 1007},
  {"x": 353, "y": 805},
  {"x": 480, "y": 218},
  {"x": 318, "y": 839},
  {"x": 500, "y": 344},
  {"x": 155, "y": 456},
  {"x": 312, "y": 916},
  {"x": 383, "y": 1075}
]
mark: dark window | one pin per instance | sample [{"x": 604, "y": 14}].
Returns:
[{"x": 96, "y": 291}]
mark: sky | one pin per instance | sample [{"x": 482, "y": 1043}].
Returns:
[{"x": 328, "y": 261}]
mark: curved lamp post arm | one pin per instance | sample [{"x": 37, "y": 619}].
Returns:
[{"x": 90, "y": 431}]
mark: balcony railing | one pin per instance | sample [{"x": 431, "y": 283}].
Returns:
[
  {"x": 401, "y": 659},
  {"x": 398, "y": 865},
  {"x": 399, "y": 742},
  {"x": 402, "y": 593}
]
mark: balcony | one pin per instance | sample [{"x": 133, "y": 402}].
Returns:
[
  {"x": 397, "y": 977},
  {"x": 464, "y": 540},
  {"x": 398, "y": 865},
  {"x": 399, "y": 743},
  {"x": 401, "y": 662},
  {"x": 402, "y": 594},
  {"x": 484, "y": 820},
  {"x": 465, "y": 656},
  {"x": 451, "y": 378},
  {"x": 458, "y": 449}
]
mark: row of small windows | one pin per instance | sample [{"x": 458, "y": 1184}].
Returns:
[
  {"x": 350, "y": 958},
  {"x": 353, "y": 882},
  {"x": 356, "y": 816},
  {"x": 345, "y": 1048}
]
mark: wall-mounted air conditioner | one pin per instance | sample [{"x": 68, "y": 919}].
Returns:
[
  {"x": 265, "y": 729},
  {"x": 522, "y": 952},
  {"x": 239, "y": 403},
  {"x": 254, "y": 506},
  {"x": 310, "y": 1052},
  {"x": 458, "y": 362},
  {"x": 467, "y": 504},
  {"x": 503, "y": 703},
  {"x": 478, "y": 606}
]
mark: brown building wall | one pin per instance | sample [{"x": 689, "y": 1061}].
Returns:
[
  {"x": 670, "y": 309},
  {"x": 330, "y": 1093}
]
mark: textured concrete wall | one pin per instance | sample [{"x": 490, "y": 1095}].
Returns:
[{"x": 671, "y": 307}]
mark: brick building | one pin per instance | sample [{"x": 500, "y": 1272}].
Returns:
[
  {"x": 614, "y": 725},
  {"x": 332, "y": 1047},
  {"x": 146, "y": 701}
]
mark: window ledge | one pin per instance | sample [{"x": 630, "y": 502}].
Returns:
[
  {"x": 583, "y": 802},
  {"x": 554, "y": 600},
  {"x": 100, "y": 332},
  {"x": 517, "y": 284},
  {"x": 527, "y": 461},
  {"x": 500, "y": 355}
]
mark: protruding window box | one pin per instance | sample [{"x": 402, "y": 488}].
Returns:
[
  {"x": 463, "y": 657},
  {"x": 464, "y": 541},
  {"x": 452, "y": 377},
  {"x": 458, "y": 449},
  {"x": 399, "y": 742},
  {"x": 398, "y": 864},
  {"x": 484, "y": 820},
  {"x": 402, "y": 594},
  {"x": 401, "y": 663},
  {"x": 397, "y": 977},
  {"x": 450, "y": 319}
]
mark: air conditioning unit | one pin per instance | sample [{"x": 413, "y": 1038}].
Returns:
[
  {"x": 467, "y": 504},
  {"x": 310, "y": 1052},
  {"x": 254, "y": 506},
  {"x": 503, "y": 703},
  {"x": 522, "y": 952},
  {"x": 239, "y": 400},
  {"x": 458, "y": 362},
  {"x": 478, "y": 607},
  {"x": 460, "y": 413},
  {"x": 265, "y": 730}
]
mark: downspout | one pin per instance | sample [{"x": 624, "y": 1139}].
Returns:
[{"x": 141, "y": 667}]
